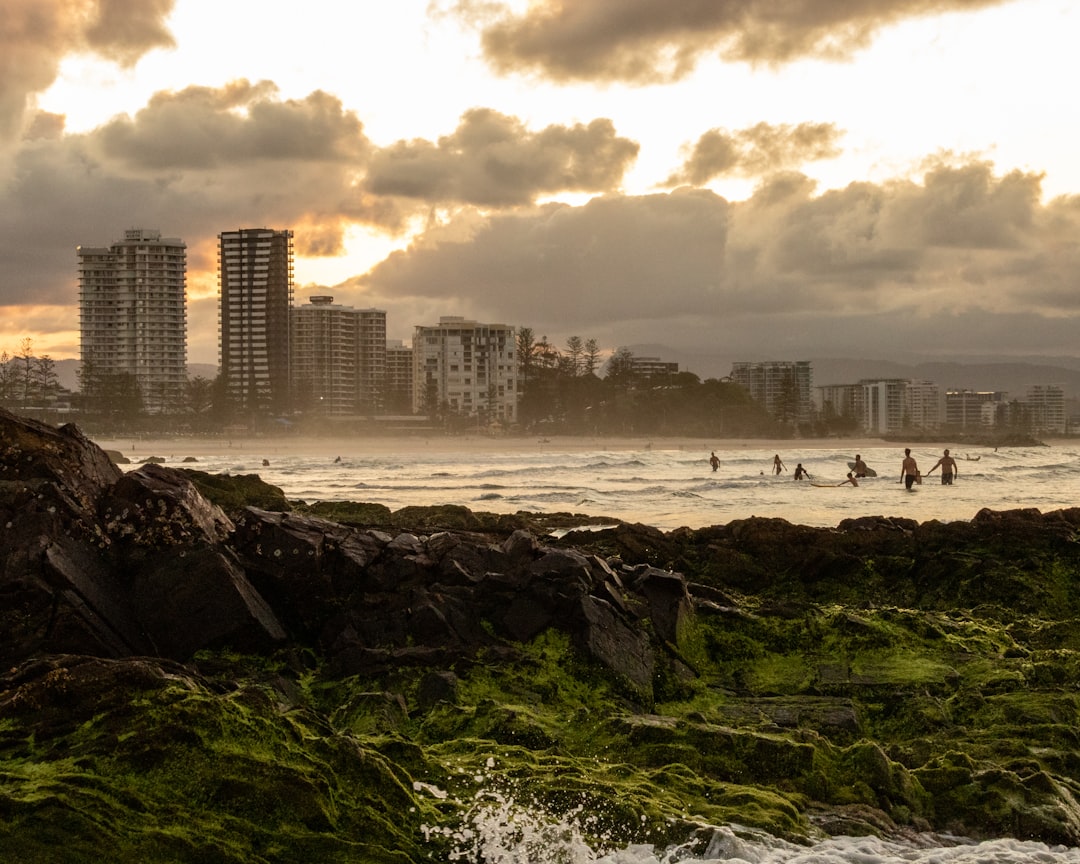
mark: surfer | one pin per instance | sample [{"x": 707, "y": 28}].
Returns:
[
  {"x": 859, "y": 467},
  {"x": 948, "y": 469},
  {"x": 714, "y": 460},
  {"x": 909, "y": 470},
  {"x": 850, "y": 481},
  {"x": 801, "y": 472},
  {"x": 777, "y": 465}
]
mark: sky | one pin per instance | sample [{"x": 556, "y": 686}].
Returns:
[{"x": 750, "y": 179}]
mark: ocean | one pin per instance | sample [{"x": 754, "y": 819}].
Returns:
[{"x": 667, "y": 486}]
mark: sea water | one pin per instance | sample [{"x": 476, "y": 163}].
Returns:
[
  {"x": 501, "y": 830},
  {"x": 667, "y": 487}
]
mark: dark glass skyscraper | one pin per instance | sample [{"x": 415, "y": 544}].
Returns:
[{"x": 256, "y": 295}]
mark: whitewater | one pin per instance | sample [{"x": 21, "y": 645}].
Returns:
[{"x": 665, "y": 484}]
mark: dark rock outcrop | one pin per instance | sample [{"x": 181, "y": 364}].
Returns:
[{"x": 882, "y": 676}]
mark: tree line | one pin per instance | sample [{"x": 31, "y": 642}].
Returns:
[{"x": 572, "y": 390}]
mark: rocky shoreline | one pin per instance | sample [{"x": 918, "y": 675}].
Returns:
[{"x": 198, "y": 669}]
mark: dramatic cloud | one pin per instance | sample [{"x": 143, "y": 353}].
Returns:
[
  {"x": 201, "y": 160},
  {"x": 755, "y": 152},
  {"x": 204, "y": 128},
  {"x": 902, "y": 263},
  {"x": 646, "y": 41},
  {"x": 493, "y": 160},
  {"x": 36, "y": 34}
]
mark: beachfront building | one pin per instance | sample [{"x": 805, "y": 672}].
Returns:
[
  {"x": 465, "y": 368},
  {"x": 398, "y": 393},
  {"x": 255, "y": 280},
  {"x": 644, "y": 368},
  {"x": 336, "y": 368},
  {"x": 973, "y": 409},
  {"x": 371, "y": 360},
  {"x": 922, "y": 406},
  {"x": 839, "y": 400},
  {"x": 882, "y": 405},
  {"x": 783, "y": 387},
  {"x": 133, "y": 318},
  {"x": 1046, "y": 408},
  {"x": 324, "y": 362}
]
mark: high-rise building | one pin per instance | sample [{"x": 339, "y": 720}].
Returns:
[
  {"x": 973, "y": 409},
  {"x": 783, "y": 387},
  {"x": 883, "y": 402},
  {"x": 256, "y": 293},
  {"x": 922, "y": 405},
  {"x": 338, "y": 358},
  {"x": 398, "y": 395},
  {"x": 465, "y": 368},
  {"x": 371, "y": 358},
  {"x": 1046, "y": 404},
  {"x": 133, "y": 317},
  {"x": 324, "y": 357}
]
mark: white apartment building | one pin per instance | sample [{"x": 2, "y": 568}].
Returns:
[
  {"x": 922, "y": 406},
  {"x": 466, "y": 368},
  {"x": 882, "y": 402},
  {"x": 255, "y": 280},
  {"x": 1047, "y": 406},
  {"x": 338, "y": 358},
  {"x": 133, "y": 316}
]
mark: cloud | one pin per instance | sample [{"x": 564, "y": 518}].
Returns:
[
  {"x": 205, "y": 128},
  {"x": 201, "y": 160},
  {"x": 870, "y": 267},
  {"x": 650, "y": 41},
  {"x": 762, "y": 149},
  {"x": 491, "y": 159},
  {"x": 36, "y": 34}
]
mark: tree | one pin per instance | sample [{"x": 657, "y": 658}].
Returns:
[
  {"x": 620, "y": 368},
  {"x": 9, "y": 379},
  {"x": 198, "y": 395},
  {"x": 46, "y": 381},
  {"x": 590, "y": 361},
  {"x": 25, "y": 358},
  {"x": 575, "y": 350}
]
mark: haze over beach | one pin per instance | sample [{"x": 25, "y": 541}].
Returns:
[{"x": 865, "y": 179}]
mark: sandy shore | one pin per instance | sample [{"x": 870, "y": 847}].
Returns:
[{"x": 178, "y": 448}]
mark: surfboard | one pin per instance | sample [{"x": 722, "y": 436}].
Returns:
[{"x": 870, "y": 472}]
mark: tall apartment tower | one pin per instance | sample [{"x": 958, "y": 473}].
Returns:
[
  {"x": 783, "y": 387},
  {"x": 338, "y": 358},
  {"x": 256, "y": 294},
  {"x": 398, "y": 394},
  {"x": 133, "y": 316},
  {"x": 371, "y": 354},
  {"x": 467, "y": 368},
  {"x": 324, "y": 357}
]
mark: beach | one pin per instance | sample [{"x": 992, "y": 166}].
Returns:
[{"x": 139, "y": 448}]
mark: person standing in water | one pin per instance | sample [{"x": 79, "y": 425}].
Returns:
[
  {"x": 777, "y": 465},
  {"x": 801, "y": 472},
  {"x": 860, "y": 467},
  {"x": 909, "y": 469},
  {"x": 948, "y": 469},
  {"x": 714, "y": 460}
]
